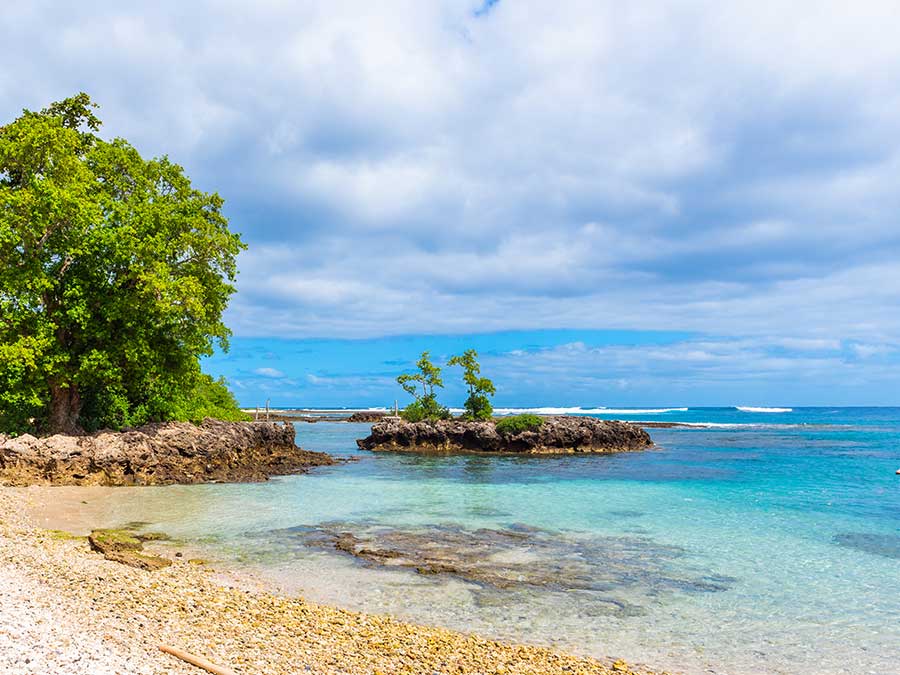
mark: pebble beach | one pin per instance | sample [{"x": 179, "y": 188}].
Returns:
[{"x": 65, "y": 609}]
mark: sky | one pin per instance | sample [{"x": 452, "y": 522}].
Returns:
[{"x": 644, "y": 203}]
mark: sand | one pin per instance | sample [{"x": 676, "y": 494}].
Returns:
[{"x": 65, "y": 609}]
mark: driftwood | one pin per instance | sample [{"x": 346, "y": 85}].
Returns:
[{"x": 198, "y": 661}]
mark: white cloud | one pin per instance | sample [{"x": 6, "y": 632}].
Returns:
[
  {"x": 409, "y": 167},
  {"x": 703, "y": 371},
  {"x": 269, "y": 372},
  {"x": 866, "y": 351}
]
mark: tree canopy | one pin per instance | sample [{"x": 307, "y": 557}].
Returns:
[
  {"x": 478, "y": 404},
  {"x": 424, "y": 405},
  {"x": 114, "y": 273},
  {"x": 423, "y": 384}
]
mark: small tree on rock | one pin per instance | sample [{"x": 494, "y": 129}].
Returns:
[
  {"x": 425, "y": 405},
  {"x": 478, "y": 405}
]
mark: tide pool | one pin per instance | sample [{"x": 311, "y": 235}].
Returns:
[{"x": 762, "y": 542}]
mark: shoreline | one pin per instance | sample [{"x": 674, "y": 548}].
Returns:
[
  {"x": 158, "y": 454},
  {"x": 67, "y": 609}
]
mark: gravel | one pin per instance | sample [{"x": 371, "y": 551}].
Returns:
[{"x": 67, "y": 610}]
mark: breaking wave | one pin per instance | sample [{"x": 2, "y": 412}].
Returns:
[
  {"x": 641, "y": 411},
  {"x": 547, "y": 410},
  {"x": 586, "y": 411},
  {"x": 751, "y": 409}
]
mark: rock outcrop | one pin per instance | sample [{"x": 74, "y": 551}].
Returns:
[
  {"x": 127, "y": 548},
  {"x": 158, "y": 454},
  {"x": 367, "y": 416},
  {"x": 557, "y": 435}
]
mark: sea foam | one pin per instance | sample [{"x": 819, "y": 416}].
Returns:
[
  {"x": 640, "y": 411},
  {"x": 586, "y": 411},
  {"x": 751, "y": 409},
  {"x": 549, "y": 410}
]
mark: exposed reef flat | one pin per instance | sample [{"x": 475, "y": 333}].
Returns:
[
  {"x": 158, "y": 454},
  {"x": 68, "y": 610},
  {"x": 557, "y": 435}
]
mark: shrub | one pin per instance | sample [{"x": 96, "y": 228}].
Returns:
[
  {"x": 425, "y": 408},
  {"x": 207, "y": 397},
  {"x": 478, "y": 407},
  {"x": 516, "y": 424},
  {"x": 212, "y": 398}
]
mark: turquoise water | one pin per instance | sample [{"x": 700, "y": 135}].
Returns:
[{"x": 768, "y": 543}]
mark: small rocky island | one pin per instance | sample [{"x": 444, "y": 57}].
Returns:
[
  {"x": 554, "y": 435},
  {"x": 158, "y": 454}
]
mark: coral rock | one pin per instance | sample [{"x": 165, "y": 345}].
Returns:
[
  {"x": 158, "y": 454},
  {"x": 557, "y": 435}
]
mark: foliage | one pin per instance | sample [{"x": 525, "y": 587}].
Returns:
[
  {"x": 425, "y": 405},
  {"x": 516, "y": 424},
  {"x": 425, "y": 408},
  {"x": 478, "y": 404},
  {"x": 428, "y": 377},
  {"x": 114, "y": 273},
  {"x": 206, "y": 398},
  {"x": 212, "y": 398}
]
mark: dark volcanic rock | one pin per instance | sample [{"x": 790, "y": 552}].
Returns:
[
  {"x": 556, "y": 435},
  {"x": 158, "y": 454},
  {"x": 367, "y": 416}
]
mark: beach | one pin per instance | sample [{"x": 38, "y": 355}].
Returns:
[{"x": 65, "y": 609}]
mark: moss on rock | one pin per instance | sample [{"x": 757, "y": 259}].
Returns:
[{"x": 125, "y": 547}]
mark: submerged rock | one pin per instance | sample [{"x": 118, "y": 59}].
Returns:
[
  {"x": 555, "y": 436},
  {"x": 885, "y": 545},
  {"x": 158, "y": 454},
  {"x": 621, "y": 573}
]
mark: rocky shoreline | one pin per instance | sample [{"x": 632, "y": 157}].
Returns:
[
  {"x": 158, "y": 454},
  {"x": 557, "y": 435},
  {"x": 67, "y": 609}
]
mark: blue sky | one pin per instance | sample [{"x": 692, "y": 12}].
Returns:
[
  {"x": 617, "y": 203},
  {"x": 565, "y": 368}
]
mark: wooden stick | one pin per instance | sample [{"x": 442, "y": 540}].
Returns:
[{"x": 198, "y": 661}]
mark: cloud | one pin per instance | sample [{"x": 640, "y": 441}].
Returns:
[
  {"x": 485, "y": 8},
  {"x": 866, "y": 351},
  {"x": 702, "y": 371},
  {"x": 269, "y": 372},
  {"x": 459, "y": 166}
]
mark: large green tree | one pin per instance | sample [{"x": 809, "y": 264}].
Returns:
[{"x": 114, "y": 273}]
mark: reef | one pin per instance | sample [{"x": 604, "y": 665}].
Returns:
[{"x": 623, "y": 574}]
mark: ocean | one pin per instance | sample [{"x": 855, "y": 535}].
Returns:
[{"x": 755, "y": 540}]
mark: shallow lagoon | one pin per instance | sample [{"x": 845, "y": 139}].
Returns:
[{"x": 765, "y": 544}]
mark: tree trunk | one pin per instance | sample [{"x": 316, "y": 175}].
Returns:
[{"x": 65, "y": 409}]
